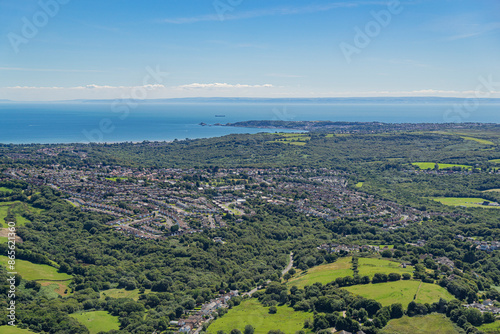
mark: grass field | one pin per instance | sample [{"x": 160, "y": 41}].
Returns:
[
  {"x": 359, "y": 184},
  {"x": 251, "y": 312},
  {"x": 97, "y": 321},
  {"x": 430, "y": 165},
  {"x": 470, "y": 202},
  {"x": 3, "y": 189},
  {"x": 493, "y": 328},
  {"x": 477, "y": 140},
  {"x": 44, "y": 274},
  {"x": 369, "y": 267},
  {"x": 292, "y": 138},
  {"x": 401, "y": 292},
  {"x": 485, "y": 191},
  {"x": 122, "y": 293},
  {"x": 343, "y": 267},
  {"x": 324, "y": 273},
  {"x": 495, "y": 161},
  {"x": 17, "y": 208},
  {"x": 429, "y": 324},
  {"x": 13, "y": 330}
]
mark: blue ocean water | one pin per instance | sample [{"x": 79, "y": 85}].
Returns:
[{"x": 93, "y": 122}]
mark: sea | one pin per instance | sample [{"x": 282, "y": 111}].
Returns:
[{"x": 25, "y": 123}]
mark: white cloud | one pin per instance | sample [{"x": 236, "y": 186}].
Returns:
[{"x": 222, "y": 85}]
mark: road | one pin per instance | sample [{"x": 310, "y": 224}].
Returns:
[{"x": 288, "y": 267}]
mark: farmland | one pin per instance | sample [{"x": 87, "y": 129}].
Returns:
[
  {"x": 401, "y": 292},
  {"x": 251, "y": 312},
  {"x": 470, "y": 202},
  {"x": 97, "y": 321},
  {"x": 324, "y": 273},
  {"x": 429, "y": 324}
]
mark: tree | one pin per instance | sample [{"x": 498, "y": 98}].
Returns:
[
  {"x": 249, "y": 329},
  {"x": 474, "y": 316},
  {"x": 394, "y": 277},
  {"x": 273, "y": 310},
  {"x": 235, "y": 331},
  {"x": 488, "y": 317},
  {"x": 396, "y": 311},
  {"x": 386, "y": 253}
]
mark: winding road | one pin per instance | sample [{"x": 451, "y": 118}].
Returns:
[{"x": 287, "y": 268}]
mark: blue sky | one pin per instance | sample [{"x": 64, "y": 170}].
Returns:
[{"x": 272, "y": 48}]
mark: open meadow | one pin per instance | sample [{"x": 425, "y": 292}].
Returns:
[
  {"x": 251, "y": 312},
  {"x": 6, "y": 329},
  {"x": 16, "y": 209},
  {"x": 369, "y": 267},
  {"x": 492, "y": 328},
  {"x": 470, "y": 202},
  {"x": 122, "y": 293},
  {"x": 429, "y": 324},
  {"x": 97, "y": 321},
  {"x": 431, "y": 165},
  {"x": 323, "y": 274},
  {"x": 44, "y": 274},
  {"x": 326, "y": 273},
  {"x": 401, "y": 292}
]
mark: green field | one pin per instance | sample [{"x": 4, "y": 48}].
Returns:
[
  {"x": 470, "y": 202},
  {"x": 359, "y": 184},
  {"x": 485, "y": 191},
  {"x": 369, "y": 267},
  {"x": 401, "y": 292},
  {"x": 122, "y": 293},
  {"x": 343, "y": 267},
  {"x": 292, "y": 138},
  {"x": 495, "y": 161},
  {"x": 477, "y": 140},
  {"x": 324, "y": 273},
  {"x": 493, "y": 328},
  {"x": 44, "y": 274},
  {"x": 17, "y": 208},
  {"x": 251, "y": 312},
  {"x": 3, "y": 189},
  {"x": 430, "y": 165},
  {"x": 97, "y": 321},
  {"x": 429, "y": 324},
  {"x": 13, "y": 330}
]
